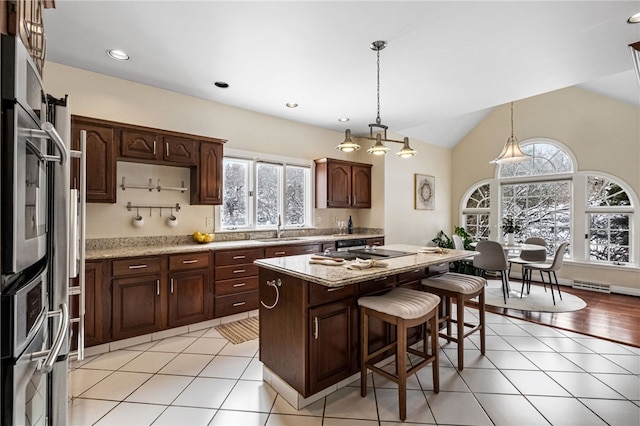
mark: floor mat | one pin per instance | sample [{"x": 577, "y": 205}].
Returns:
[{"x": 240, "y": 331}]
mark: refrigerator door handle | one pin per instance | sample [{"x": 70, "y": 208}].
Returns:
[{"x": 56, "y": 347}]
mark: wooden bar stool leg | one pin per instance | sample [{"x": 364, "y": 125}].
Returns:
[
  {"x": 364, "y": 350},
  {"x": 401, "y": 367},
  {"x": 460, "y": 318},
  {"x": 448, "y": 314},
  {"x": 481, "y": 315},
  {"x": 435, "y": 365}
]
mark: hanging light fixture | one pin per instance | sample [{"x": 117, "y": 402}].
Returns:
[
  {"x": 511, "y": 153},
  {"x": 377, "y": 130}
]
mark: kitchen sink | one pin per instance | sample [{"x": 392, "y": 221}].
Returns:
[{"x": 270, "y": 240}]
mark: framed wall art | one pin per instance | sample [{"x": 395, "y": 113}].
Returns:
[{"x": 425, "y": 192}]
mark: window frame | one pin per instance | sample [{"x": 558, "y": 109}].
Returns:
[{"x": 255, "y": 159}]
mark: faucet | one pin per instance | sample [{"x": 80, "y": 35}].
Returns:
[{"x": 279, "y": 228}]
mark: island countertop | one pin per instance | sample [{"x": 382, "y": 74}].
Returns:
[{"x": 339, "y": 275}]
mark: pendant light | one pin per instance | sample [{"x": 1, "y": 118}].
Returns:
[
  {"x": 511, "y": 153},
  {"x": 377, "y": 130},
  {"x": 348, "y": 145}
]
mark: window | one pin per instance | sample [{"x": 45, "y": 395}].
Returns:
[
  {"x": 609, "y": 219},
  {"x": 549, "y": 199},
  {"x": 257, "y": 192}
]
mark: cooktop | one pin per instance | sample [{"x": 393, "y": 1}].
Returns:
[{"x": 363, "y": 253}]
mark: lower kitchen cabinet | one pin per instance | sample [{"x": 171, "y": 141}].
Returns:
[
  {"x": 136, "y": 306},
  {"x": 97, "y": 317},
  {"x": 236, "y": 288},
  {"x": 190, "y": 297},
  {"x": 331, "y": 355}
]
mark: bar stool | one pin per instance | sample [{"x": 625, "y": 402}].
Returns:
[
  {"x": 462, "y": 288},
  {"x": 403, "y": 308}
]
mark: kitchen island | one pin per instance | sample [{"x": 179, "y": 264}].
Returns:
[{"x": 309, "y": 333}]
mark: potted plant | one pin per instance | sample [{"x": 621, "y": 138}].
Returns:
[{"x": 510, "y": 226}]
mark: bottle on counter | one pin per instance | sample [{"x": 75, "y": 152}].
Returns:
[{"x": 350, "y": 226}]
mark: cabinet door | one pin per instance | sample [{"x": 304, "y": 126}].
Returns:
[
  {"x": 190, "y": 297},
  {"x": 95, "y": 316},
  {"x": 331, "y": 335},
  {"x": 136, "y": 306},
  {"x": 361, "y": 186},
  {"x": 139, "y": 145},
  {"x": 339, "y": 185},
  {"x": 179, "y": 150},
  {"x": 101, "y": 159},
  {"x": 207, "y": 182}
]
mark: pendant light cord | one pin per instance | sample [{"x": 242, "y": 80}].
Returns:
[
  {"x": 511, "y": 120},
  {"x": 378, "y": 120}
]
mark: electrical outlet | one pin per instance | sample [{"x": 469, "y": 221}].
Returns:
[{"x": 209, "y": 223}]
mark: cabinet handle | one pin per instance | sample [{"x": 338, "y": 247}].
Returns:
[
  {"x": 166, "y": 149},
  {"x": 154, "y": 147},
  {"x": 335, "y": 288},
  {"x": 158, "y": 287},
  {"x": 278, "y": 253},
  {"x": 310, "y": 250},
  {"x": 349, "y": 199},
  {"x": 187, "y": 262},
  {"x": 137, "y": 266},
  {"x": 354, "y": 200},
  {"x": 239, "y": 271},
  {"x": 381, "y": 279},
  {"x": 219, "y": 195},
  {"x": 315, "y": 328},
  {"x": 171, "y": 285},
  {"x": 238, "y": 304},
  {"x": 239, "y": 257},
  {"x": 240, "y": 285}
]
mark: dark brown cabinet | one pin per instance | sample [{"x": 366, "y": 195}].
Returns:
[
  {"x": 342, "y": 184},
  {"x": 206, "y": 182},
  {"x": 97, "y": 317},
  {"x": 190, "y": 289},
  {"x": 180, "y": 150},
  {"x": 331, "y": 355},
  {"x": 100, "y": 154},
  {"x": 292, "y": 250},
  {"x": 136, "y": 306},
  {"x": 139, "y": 145},
  {"x": 236, "y": 288},
  {"x": 153, "y": 146}
]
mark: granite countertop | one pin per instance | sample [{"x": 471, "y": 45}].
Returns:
[
  {"x": 339, "y": 275},
  {"x": 115, "y": 250}
]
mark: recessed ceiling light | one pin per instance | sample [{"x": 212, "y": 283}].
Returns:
[
  {"x": 634, "y": 19},
  {"x": 118, "y": 55},
  {"x": 292, "y": 104},
  {"x": 343, "y": 119},
  {"x": 221, "y": 84}
]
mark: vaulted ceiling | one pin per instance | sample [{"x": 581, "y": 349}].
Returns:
[{"x": 446, "y": 65}]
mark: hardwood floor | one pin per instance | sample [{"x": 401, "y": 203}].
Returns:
[{"x": 612, "y": 317}]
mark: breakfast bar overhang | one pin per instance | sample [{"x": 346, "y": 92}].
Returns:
[{"x": 309, "y": 331}]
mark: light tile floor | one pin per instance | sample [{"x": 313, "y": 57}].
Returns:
[{"x": 531, "y": 375}]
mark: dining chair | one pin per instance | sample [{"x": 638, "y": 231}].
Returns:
[
  {"x": 549, "y": 268},
  {"x": 467, "y": 262},
  {"x": 529, "y": 256},
  {"x": 492, "y": 258}
]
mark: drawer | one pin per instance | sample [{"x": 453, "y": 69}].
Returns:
[
  {"x": 236, "y": 285},
  {"x": 236, "y": 271},
  {"x": 136, "y": 266},
  {"x": 236, "y": 257},
  {"x": 236, "y": 303},
  {"x": 187, "y": 261},
  {"x": 375, "y": 241},
  {"x": 376, "y": 285},
  {"x": 319, "y": 294},
  {"x": 292, "y": 250},
  {"x": 415, "y": 275}
]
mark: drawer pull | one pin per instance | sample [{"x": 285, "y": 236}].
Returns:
[
  {"x": 240, "y": 285},
  {"x": 278, "y": 253},
  {"x": 315, "y": 328},
  {"x": 381, "y": 279},
  {"x": 186, "y": 262},
  {"x": 239, "y": 304},
  {"x": 416, "y": 271},
  {"x": 335, "y": 288},
  {"x": 239, "y": 271},
  {"x": 137, "y": 266},
  {"x": 239, "y": 257},
  {"x": 171, "y": 285}
]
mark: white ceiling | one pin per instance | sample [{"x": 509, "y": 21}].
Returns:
[{"x": 446, "y": 65}]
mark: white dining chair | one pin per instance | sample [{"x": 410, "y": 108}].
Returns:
[
  {"x": 493, "y": 258},
  {"x": 529, "y": 256},
  {"x": 549, "y": 268}
]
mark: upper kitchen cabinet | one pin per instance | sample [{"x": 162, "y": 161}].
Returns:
[
  {"x": 139, "y": 145},
  {"x": 206, "y": 184},
  {"x": 180, "y": 150},
  {"x": 342, "y": 184},
  {"x": 101, "y": 158},
  {"x": 23, "y": 18},
  {"x": 155, "y": 147}
]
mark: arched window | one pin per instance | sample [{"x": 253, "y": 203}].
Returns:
[{"x": 540, "y": 195}]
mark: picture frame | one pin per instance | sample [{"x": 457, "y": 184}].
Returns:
[{"x": 425, "y": 192}]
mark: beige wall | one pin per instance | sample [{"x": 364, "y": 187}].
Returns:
[
  {"x": 100, "y": 96},
  {"x": 603, "y": 134}
]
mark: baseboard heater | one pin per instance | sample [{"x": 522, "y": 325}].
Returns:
[{"x": 585, "y": 285}]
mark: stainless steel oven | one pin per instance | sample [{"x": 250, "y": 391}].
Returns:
[
  {"x": 27, "y": 358},
  {"x": 26, "y": 151}
]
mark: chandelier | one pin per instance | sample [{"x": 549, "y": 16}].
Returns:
[
  {"x": 511, "y": 153},
  {"x": 377, "y": 130}
]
